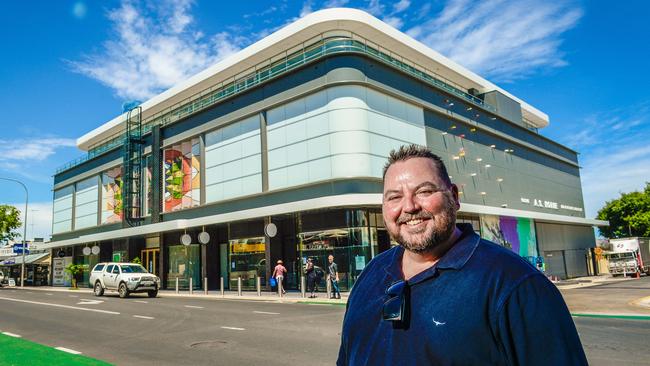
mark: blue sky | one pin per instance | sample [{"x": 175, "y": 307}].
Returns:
[{"x": 68, "y": 66}]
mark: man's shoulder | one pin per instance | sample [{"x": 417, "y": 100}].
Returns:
[{"x": 496, "y": 258}]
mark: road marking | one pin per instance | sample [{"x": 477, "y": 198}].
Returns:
[
  {"x": 143, "y": 317},
  {"x": 265, "y": 312},
  {"x": 194, "y": 307},
  {"x": 141, "y": 301},
  {"x": 60, "y": 306},
  {"x": 233, "y": 328},
  {"x": 48, "y": 294},
  {"x": 11, "y": 334},
  {"x": 68, "y": 350},
  {"x": 73, "y": 295},
  {"x": 612, "y": 316},
  {"x": 29, "y": 292},
  {"x": 90, "y": 302}
]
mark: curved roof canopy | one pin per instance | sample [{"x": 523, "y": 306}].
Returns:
[{"x": 304, "y": 29}]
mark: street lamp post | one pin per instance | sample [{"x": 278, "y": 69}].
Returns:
[{"x": 22, "y": 267}]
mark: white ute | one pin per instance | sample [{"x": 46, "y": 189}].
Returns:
[{"x": 125, "y": 278}]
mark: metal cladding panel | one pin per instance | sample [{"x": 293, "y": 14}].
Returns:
[
  {"x": 576, "y": 263},
  {"x": 564, "y": 237}
]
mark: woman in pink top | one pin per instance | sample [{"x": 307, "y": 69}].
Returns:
[{"x": 278, "y": 274}]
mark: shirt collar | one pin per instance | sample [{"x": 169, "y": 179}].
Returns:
[{"x": 455, "y": 258}]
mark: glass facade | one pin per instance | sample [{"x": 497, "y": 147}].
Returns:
[
  {"x": 181, "y": 175},
  {"x": 184, "y": 263},
  {"x": 233, "y": 160},
  {"x": 85, "y": 203},
  {"x": 248, "y": 261},
  {"x": 62, "y": 210},
  {"x": 343, "y": 131}
]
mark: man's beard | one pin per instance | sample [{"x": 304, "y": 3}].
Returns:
[{"x": 440, "y": 232}]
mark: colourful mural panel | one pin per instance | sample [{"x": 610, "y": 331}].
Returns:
[
  {"x": 182, "y": 178},
  {"x": 112, "y": 185},
  {"x": 514, "y": 233}
]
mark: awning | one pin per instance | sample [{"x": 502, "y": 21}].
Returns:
[{"x": 39, "y": 258}]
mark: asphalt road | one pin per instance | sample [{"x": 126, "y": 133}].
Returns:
[
  {"x": 173, "y": 331},
  {"x": 615, "y": 297}
]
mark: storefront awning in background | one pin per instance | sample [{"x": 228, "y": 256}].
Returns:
[{"x": 40, "y": 258}]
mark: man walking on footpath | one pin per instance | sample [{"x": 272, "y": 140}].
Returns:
[
  {"x": 444, "y": 295},
  {"x": 278, "y": 273},
  {"x": 333, "y": 277}
]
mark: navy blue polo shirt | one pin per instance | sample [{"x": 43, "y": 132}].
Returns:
[{"x": 481, "y": 304}]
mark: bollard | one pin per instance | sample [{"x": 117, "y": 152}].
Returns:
[
  {"x": 191, "y": 287},
  {"x": 303, "y": 285},
  {"x": 259, "y": 286},
  {"x": 328, "y": 285},
  {"x": 205, "y": 285},
  {"x": 176, "y": 284},
  {"x": 238, "y": 286},
  {"x": 221, "y": 287}
]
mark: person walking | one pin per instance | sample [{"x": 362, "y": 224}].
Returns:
[
  {"x": 310, "y": 272},
  {"x": 333, "y": 277},
  {"x": 278, "y": 273}
]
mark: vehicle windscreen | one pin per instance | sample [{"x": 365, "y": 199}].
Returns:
[{"x": 133, "y": 269}]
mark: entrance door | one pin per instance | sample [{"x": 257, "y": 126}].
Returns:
[{"x": 150, "y": 260}]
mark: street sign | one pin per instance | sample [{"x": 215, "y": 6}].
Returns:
[{"x": 18, "y": 248}]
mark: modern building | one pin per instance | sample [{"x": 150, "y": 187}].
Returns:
[{"x": 277, "y": 152}]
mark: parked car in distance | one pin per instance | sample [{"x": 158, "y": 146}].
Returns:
[{"x": 125, "y": 278}]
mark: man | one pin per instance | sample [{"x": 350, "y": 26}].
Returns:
[
  {"x": 333, "y": 277},
  {"x": 444, "y": 295}
]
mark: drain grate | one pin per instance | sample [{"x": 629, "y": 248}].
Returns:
[{"x": 209, "y": 344}]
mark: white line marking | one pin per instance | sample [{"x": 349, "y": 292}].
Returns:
[
  {"x": 233, "y": 328},
  {"x": 60, "y": 306},
  {"x": 11, "y": 334},
  {"x": 90, "y": 302},
  {"x": 143, "y": 317},
  {"x": 265, "y": 312},
  {"x": 68, "y": 350},
  {"x": 29, "y": 292},
  {"x": 141, "y": 301},
  {"x": 48, "y": 294},
  {"x": 73, "y": 295},
  {"x": 194, "y": 307}
]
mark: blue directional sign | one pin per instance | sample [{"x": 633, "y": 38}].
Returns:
[{"x": 18, "y": 248}]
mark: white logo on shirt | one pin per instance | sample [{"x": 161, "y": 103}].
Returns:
[{"x": 437, "y": 323}]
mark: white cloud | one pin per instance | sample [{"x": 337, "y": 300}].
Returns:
[
  {"x": 335, "y": 3},
  {"x": 39, "y": 219},
  {"x": 306, "y": 8},
  {"x": 401, "y": 5},
  {"x": 503, "y": 40},
  {"x": 36, "y": 149},
  {"x": 154, "y": 48}
]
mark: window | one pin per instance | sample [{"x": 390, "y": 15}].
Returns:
[
  {"x": 98, "y": 268},
  {"x": 116, "y": 270},
  {"x": 133, "y": 268},
  {"x": 109, "y": 269}
]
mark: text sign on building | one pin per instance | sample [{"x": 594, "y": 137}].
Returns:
[
  {"x": 18, "y": 248},
  {"x": 549, "y": 204}
]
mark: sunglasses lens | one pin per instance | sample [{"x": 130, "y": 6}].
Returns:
[
  {"x": 393, "y": 309},
  {"x": 396, "y": 289}
]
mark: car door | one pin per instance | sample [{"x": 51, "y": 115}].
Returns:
[{"x": 110, "y": 276}]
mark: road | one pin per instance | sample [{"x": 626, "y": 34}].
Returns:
[
  {"x": 174, "y": 331},
  {"x": 183, "y": 330}
]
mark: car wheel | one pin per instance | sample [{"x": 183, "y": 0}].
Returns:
[
  {"x": 152, "y": 293},
  {"x": 99, "y": 290},
  {"x": 123, "y": 291}
]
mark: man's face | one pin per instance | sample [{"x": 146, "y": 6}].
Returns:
[
  {"x": 330, "y": 259},
  {"x": 418, "y": 207}
]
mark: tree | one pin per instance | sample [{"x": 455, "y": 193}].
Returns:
[
  {"x": 628, "y": 215},
  {"x": 9, "y": 222}
]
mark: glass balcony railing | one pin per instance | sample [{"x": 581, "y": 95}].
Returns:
[{"x": 309, "y": 51}]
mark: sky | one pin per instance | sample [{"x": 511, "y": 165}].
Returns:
[{"x": 68, "y": 66}]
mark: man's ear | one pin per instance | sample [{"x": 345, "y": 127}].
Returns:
[{"x": 454, "y": 192}]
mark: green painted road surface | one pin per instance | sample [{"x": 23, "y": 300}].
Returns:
[
  {"x": 19, "y": 352},
  {"x": 612, "y": 316}
]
